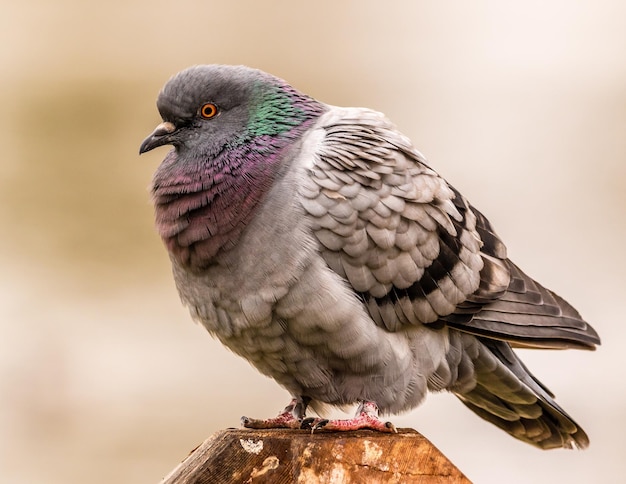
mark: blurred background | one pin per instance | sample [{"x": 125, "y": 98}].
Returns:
[{"x": 103, "y": 376}]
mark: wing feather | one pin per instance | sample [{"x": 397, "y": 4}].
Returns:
[{"x": 414, "y": 249}]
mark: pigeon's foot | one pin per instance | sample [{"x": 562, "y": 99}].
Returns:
[
  {"x": 366, "y": 418},
  {"x": 283, "y": 421},
  {"x": 290, "y": 418}
]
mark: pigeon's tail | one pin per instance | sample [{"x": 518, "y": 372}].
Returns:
[{"x": 510, "y": 397}]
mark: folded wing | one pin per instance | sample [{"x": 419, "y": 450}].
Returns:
[{"x": 413, "y": 247}]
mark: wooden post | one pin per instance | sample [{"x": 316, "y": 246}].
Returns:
[{"x": 297, "y": 456}]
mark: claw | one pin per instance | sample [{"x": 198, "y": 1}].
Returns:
[
  {"x": 309, "y": 423},
  {"x": 320, "y": 424}
]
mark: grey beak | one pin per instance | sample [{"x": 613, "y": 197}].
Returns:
[{"x": 159, "y": 137}]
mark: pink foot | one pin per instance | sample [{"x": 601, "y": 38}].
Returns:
[
  {"x": 366, "y": 418},
  {"x": 290, "y": 418}
]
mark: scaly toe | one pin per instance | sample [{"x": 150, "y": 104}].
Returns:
[
  {"x": 362, "y": 421},
  {"x": 280, "y": 422}
]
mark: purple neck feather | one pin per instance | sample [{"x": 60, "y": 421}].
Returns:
[{"x": 202, "y": 207}]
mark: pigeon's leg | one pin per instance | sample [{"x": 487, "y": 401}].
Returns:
[
  {"x": 366, "y": 418},
  {"x": 291, "y": 417}
]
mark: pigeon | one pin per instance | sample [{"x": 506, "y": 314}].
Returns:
[{"x": 317, "y": 243}]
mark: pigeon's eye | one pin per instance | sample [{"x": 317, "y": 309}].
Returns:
[{"x": 208, "y": 110}]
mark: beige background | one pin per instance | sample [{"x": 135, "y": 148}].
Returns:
[{"x": 103, "y": 377}]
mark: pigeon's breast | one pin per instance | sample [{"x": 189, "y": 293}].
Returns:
[
  {"x": 203, "y": 206},
  {"x": 272, "y": 299}
]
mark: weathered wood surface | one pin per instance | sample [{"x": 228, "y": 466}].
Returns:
[{"x": 297, "y": 456}]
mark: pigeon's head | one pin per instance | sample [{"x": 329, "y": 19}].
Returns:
[{"x": 212, "y": 107}]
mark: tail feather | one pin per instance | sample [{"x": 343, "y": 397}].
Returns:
[
  {"x": 544, "y": 432},
  {"x": 510, "y": 397}
]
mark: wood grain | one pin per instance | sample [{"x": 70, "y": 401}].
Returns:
[{"x": 297, "y": 456}]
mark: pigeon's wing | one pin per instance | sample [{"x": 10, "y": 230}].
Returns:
[{"x": 413, "y": 248}]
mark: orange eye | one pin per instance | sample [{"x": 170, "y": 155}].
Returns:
[{"x": 208, "y": 110}]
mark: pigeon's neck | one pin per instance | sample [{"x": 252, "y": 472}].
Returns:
[{"x": 203, "y": 206}]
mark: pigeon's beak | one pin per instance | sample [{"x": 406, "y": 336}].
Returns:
[{"x": 159, "y": 137}]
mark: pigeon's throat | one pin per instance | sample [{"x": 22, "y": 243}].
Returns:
[{"x": 203, "y": 208}]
